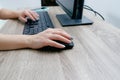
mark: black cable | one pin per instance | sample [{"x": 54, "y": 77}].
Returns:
[
  {"x": 95, "y": 12},
  {"x": 89, "y": 8}
]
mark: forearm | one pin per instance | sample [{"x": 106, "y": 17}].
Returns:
[
  {"x": 8, "y": 14},
  {"x": 9, "y": 42}
]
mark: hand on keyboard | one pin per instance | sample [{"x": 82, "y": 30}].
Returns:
[
  {"x": 27, "y": 13},
  {"x": 49, "y": 38}
]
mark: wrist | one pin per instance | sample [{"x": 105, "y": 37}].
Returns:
[
  {"x": 29, "y": 41},
  {"x": 18, "y": 14}
]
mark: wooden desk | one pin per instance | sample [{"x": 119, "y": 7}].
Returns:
[{"x": 95, "y": 56}]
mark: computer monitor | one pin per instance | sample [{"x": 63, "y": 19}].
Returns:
[
  {"x": 48, "y": 3},
  {"x": 74, "y": 13}
]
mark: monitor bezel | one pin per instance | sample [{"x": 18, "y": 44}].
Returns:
[{"x": 77, "y": 9}]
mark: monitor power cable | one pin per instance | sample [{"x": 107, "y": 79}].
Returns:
[{"x": 95, "y": 12}]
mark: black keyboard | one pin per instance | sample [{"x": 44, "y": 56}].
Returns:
[
  {"x": 34, "y": 27},
  {"x": 44, "y": 22}
]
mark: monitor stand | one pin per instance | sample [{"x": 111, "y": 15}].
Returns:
[{"x": 65, "y": 20}]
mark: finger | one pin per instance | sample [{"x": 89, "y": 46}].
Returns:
[
  {"x": 23, "y": 19},
  {"x": 60, "y": 38},
  {"x": 28, "y": 14},
  {"x": 62, "y": 33},
  {"x": 55, "y": 44},
  {"x": 59, "y": 32},
  {"x": 34, "y": 14}
]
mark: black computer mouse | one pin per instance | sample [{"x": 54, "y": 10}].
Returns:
[{"x": 67, "y": 46}]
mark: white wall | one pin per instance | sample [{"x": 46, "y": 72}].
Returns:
[
  {"x": 108, "y": 8},
  {"x": 15, "y": 4}
]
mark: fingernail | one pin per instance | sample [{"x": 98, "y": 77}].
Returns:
[
  {"x": 34, "y": 20},
  {"x": 71, "y": 38},
  {"x": 38, "y": 15},
  {"x": 37, "y": 18},
  {"x": 69, "y": 41},
  {"x": 63, "y": 46}
]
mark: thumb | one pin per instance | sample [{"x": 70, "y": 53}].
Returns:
[{"x": 22, "y": 19}]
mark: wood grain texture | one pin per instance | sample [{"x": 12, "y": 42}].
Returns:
[{"x": 95, "y": 56}]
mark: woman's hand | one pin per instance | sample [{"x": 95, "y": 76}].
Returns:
[
  {"x": 27, "y": 13},
  {"x": 48, "y": 38}
]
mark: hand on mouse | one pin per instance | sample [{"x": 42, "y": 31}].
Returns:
[
  {"x": 48, "y": 37},
  {"x": 27, "y": 13}
]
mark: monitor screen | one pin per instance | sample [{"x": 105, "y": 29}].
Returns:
[
  {"x": 67, "y": 5},
  {"x": 74, "y": 13}
]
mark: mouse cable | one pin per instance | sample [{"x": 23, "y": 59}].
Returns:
[{"x": 95, "y": 12}]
